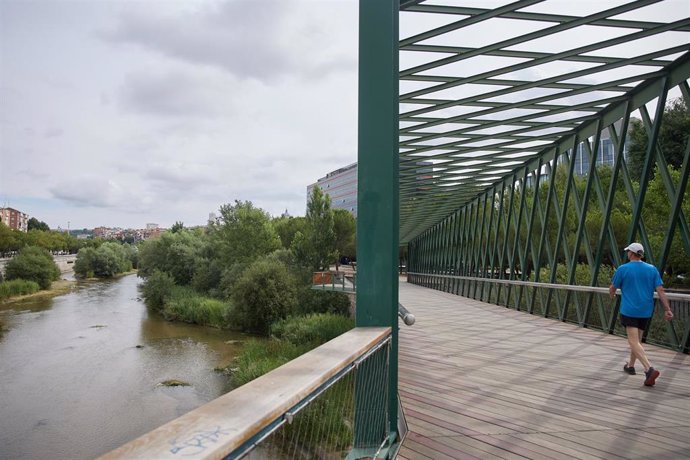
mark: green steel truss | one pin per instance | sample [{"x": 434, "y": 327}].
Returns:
[{"x": 504, "y": 113}]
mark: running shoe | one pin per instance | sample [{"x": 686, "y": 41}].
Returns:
[
  {"x": 629, "y": 369},
  {"x": 651, "y": 376}
]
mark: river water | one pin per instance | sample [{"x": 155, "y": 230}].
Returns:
[{"x": 80, "y": 373}]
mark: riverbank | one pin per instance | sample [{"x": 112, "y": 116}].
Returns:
[
  {"x": 57, "y": 288},
  {"x": 133, "y": 271},
  {"x": 60, "y": 287}
]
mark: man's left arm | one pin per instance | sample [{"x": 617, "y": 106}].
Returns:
[{"x": 668, "y": 314}]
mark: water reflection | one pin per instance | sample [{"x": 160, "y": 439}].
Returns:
[{"x": 80, "y": 373}]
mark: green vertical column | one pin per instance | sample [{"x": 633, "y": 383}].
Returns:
[{"x": 377, "y": 193}]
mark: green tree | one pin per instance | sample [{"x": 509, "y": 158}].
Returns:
[
  {"x": 345, "y": 228},
  {"x": 673, "y": 137},
  {"x": 83, "y": 266},
  {"x": 157, "y": 289},
  {"x": 287, "y": 227},
  {"x": 655, "y": 215},
  {"x": 35, "y": 224},
  {"x": 173, "y": 253},
  {"x": 33, "y": 264},
  {"x": 242, "y": 233},
  {"x": 265, "y": 293},
  {"x": 177, "y": 226},
  {"x": 315, "y": 248},
  {"x": 10, "y": 240},
  {"x": 104, "y": 262}
]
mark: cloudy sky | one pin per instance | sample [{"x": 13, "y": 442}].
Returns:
[
  {"x": 122, "y": 113},
  {"x": 127, "y": 112}
]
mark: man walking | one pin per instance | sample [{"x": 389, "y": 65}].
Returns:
[{"x": 637, "y": 281}]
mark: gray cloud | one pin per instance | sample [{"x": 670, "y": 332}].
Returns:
[
  {"x": 239, "y": 37},
  {"x": 263, "y": 40},
  {"x": 173, "y": 93},
  {"x": 89, "y": 190},
  {"x": 52, "y": 132}
]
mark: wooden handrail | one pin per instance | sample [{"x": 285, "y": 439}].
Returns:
[
  {"x": 217, "y": 428},
  {"x": 565, "y": 287}
]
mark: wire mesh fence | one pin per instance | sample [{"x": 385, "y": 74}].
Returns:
[
  {"x": 347, "y": 413},
  {"x": 590, "y": 307}
]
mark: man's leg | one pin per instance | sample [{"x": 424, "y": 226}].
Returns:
[
  {"x": 636, "y": 350},
  {"x": 633, "y": 358}
]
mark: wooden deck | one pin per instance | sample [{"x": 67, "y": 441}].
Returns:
[{"x": 482, "y": 381}]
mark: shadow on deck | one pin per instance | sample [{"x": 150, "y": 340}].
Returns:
[{"x": 482, "y": 381}]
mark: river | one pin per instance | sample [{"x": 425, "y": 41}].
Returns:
[{"x": 80, "y": 373}]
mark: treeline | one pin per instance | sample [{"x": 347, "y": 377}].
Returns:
[
  {"x": 655, "y": 216},
  {"x": 12, "y": 241},
  {"x": 246, "y": 270},
  {"x": 672, "y": 144}
]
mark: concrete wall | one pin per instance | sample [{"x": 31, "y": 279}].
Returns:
[{"x": 65, "y": 263}]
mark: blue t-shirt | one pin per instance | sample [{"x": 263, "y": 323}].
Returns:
[{"x": 637, "y": 281}]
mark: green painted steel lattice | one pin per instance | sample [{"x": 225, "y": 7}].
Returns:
[{"x": 505, "y": 118}]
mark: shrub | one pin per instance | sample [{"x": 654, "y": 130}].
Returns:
[
  {"x": 265, "y": 293},
  {"x": 207, "y": 275},
  {"x": 157, "y": 289},
  {"x": 33, "y": 264},
  {"x": 314, "y": 329},
  {"x": 17, "y": 287},
  {"x": 260, "y": 357},
  {"x": 312, "y": 301},
  {"x": 83, "y": 266},
  {"x": 174, "y": 253},
  {"x": 229, "y": 279},
  {"x": 107, "y": 260},
  {"x": 184, "y": 304}
]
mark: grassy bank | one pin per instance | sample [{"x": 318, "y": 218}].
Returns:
[
  {"x": 57, "y": 288},
  {"x": 116, "y": 276},
  {"x": 290, "y": 338},
  {"x": 186, "y": 305}
]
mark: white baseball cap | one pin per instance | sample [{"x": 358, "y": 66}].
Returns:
[{"x": 637, "y": 248}]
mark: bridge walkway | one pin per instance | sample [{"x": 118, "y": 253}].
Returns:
[{"x": 482, "y": 381}]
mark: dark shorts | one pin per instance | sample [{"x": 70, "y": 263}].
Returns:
[{"x": 629, "y": 321}]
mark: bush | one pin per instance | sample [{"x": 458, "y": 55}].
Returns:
[
  {"x": 33, "y": 264},
  {"x": 107, "y": 260},
  {"x": 292, "y": 338},
  {"x": 83, "y": 266},
  {"x": 184, "y": 304},
  {"x": 312, "y": 301},
  {"x": 260, "y": 357},
  {"x": 17, "y": 287},
  {"x": 229, "y": 279},
  {"x": 157, "y": 289},
  {"x": 265, "y": 293},
  {"x": 207, "y": 276},
  {"x": 174, "y": 253},
  {"x": 314, "y": 329}
]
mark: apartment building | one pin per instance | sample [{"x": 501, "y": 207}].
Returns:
[{"x": 14, "y": 219}]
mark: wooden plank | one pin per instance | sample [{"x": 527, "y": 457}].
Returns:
[
  {"x": 467, "y": 444},
  {"x": 440, "y": 447},
  {"x": 409, "y": 454},
  {"x": 217, "y": 428},
  {"x": 677, "y": 434},
  {"x": 531, "y": 386}
]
